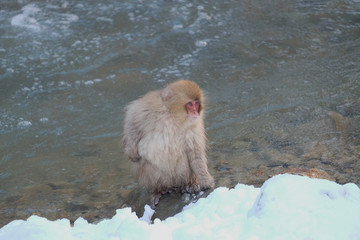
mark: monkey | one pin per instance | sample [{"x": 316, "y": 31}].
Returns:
[{"x": 164, "y": 137}]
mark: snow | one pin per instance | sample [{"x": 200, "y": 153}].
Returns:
[{"x": 285, "y": 207}]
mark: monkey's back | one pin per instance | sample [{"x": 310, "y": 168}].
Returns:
[{"x": 163, "y": 161}]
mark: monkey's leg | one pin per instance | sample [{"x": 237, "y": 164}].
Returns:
[{"x": 168, "y": 190}]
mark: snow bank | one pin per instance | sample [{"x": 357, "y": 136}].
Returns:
[{"x": 286, "y": 207}]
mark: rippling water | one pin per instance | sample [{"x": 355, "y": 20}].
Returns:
[{"x": 282, "y": 80}]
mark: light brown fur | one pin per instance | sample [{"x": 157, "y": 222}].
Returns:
[{"x": 166, "y": 147}]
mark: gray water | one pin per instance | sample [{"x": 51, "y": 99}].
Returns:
[{"x": 282, "y": 80}]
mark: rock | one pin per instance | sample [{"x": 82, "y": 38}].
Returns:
[
  {"x": 338, "y": 120},
  {"x": 319, "y": 151},
  {"x": 312, "y": 173}
]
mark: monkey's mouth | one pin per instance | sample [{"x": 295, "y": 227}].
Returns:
[{"x": 193, "y": 117}]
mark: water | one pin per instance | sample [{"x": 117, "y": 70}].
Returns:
[{"x": 282, "y": 80}]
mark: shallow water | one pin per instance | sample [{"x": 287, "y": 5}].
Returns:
[{"x": 282, "y": 80}]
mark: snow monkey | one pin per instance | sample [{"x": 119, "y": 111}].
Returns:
[{"x": 164, "y": 137}]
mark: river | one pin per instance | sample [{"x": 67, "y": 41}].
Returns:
[{"x": 282, "y": 80}]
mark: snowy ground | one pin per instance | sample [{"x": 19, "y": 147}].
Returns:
[{"x": 286, "y": 207}]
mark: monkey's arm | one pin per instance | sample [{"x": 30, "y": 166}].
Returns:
[
  {"x": 140, "y": 118},
  {"x": 131, "y": 140},
  {"x": 198, "y": 164}
]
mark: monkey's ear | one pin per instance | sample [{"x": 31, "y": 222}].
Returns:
[{"x": 166, "y": 94}]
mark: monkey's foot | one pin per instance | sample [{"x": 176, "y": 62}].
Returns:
[
  {"x": 154, "y": 199},
  {"x": 155, "y": 196},
  {"x": 192, "y": 188},
  {"x": 165, "y": 191}
]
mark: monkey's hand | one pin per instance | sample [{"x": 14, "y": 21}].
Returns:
[
  {"x": 197, "y": 187},
  {"x": 196, "y": 184},
  {"x": 134, "y": 156},
  {"x": 207, "y": 182}
]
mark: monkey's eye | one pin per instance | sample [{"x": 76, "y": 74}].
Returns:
[{"x": 193, "y": 104}]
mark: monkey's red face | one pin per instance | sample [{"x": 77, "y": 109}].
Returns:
[{"x": 193, "y": 109}]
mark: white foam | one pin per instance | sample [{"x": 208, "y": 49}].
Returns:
[
  {"x": 104, "y": 19},
  {"x": 26, "y": 18},
  {"x": 45, "y": 18},
  {"x": 178, "y": 26},
  {"x": 89, "y": 83},
  {"x": 200, "y": 43},
  {"x": 24, "y": 124},
  {"x": 44, "y": 119}
]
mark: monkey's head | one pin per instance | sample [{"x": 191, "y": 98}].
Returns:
[{"x": 184, "y": 100}]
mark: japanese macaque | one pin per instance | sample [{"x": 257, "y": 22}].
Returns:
[{"x": 164, "y": 137}]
